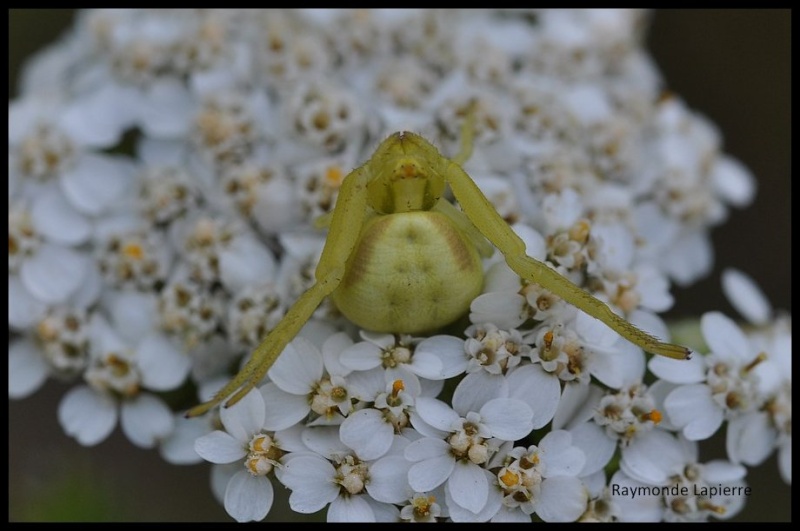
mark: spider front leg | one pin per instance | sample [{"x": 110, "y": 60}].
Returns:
[
  {"x": 483, "y": 215},
  {"x": 345, "y": 226}
]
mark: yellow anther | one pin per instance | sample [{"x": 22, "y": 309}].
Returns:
[
  {"x": 334, "y": 176},
  {"x": 397, "y": 386},
  {"x": 548, "y": 339},
  {"x": 708, "y": 506},
  {"x": 762, "y": 356},
  {"x": 133, "y": 251},
  {"x": 579, "y": 232},
  {"x": 261, "y": 444},
  {"x": 509, "y": 478},
  {"x": 654, "y": 416}
]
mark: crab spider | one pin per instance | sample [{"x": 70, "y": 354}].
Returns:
[{"x": 400, "y": 258}]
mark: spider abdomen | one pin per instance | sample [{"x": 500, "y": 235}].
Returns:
[{"x": 410, "y": 273}]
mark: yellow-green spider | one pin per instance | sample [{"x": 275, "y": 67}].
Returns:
[{"x": 400, "y": 258}]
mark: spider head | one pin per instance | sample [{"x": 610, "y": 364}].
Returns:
[{"x": 407, "y": 178}]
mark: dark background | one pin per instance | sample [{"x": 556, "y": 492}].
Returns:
[{"x": 731, "y": 65}]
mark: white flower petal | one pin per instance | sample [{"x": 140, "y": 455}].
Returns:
[
  {"x": 86, "y": 415},
  {"x": 163, "y": 367},
  {"x": 383, "y": 512},
  {"x": 505, "y": 309},
  {"x": 652, "y": 457},
  {"x": 361, "y": 356},
  {"x": 594, "y": 331},
  {"x": 535, "y": 245},
  {"x": 509, "y": 515},
  {"x": 624, "y": 360},
  {"x": 689, "y": 371},
  {"x": 165, "y": 111},
  {"x": 576, "y": 405},
  {"x": 540, "y": 390},
  {"x": 426, "y": 448},
  {"x": 290, "y": 439},
  {"x": 220, "y": 447},
  {"x": 146, "y": 420},
  {"x": 276, "y": 208},
  {"x": 745, "y": 295},
  {"x": 733, "y": 181},
  {"x": 439, "y": 357},
  {"x": 311, "y": 481},
  {"x": 785, "y": 462},
  {"x": 331, "y": 351},
  {"x": 351, "y": 509},
  {"x": 436, "y": 413},
  {"x": 402, "y": 372},
  {"x": 653, "y": 287},
  {"x": 650, "y": 323},
  {"x": 458, "y": 513},
  {"x": 725, "y": 338},
  {"x": 24, "y": 310},
  {"x": 324, "y": 441},
  {"x": 721, "y": 471},
  {"x": 97, "y": 119},
  {"x": 89, "y": 291},
  {"x": 178, "y": 448},
  {"x": 690, "y": 257},
  {"x": 500, "y": 277},
  {"x": 54, "y": 273},
  {"x": 27, "y": 369},
  {"x": 245, "y": 262},
  {"x": 468, "y": 486},
  {"x": 367, "y": 433},
  {"x": 246, "y": 417},
  {"x": 56, "y": 219},
  {"x": 247, "y": 497},
  {"x": 597, "y": 447},
  {"x": 559, "y": 455},
  {"x": 562, "y": 499},
  {"x": 476, "y": 389},
  {"x": 606, "y": 366},
  {"x": 220, "y": 477},
  {"x": 595, "y": 483},
  {"x": 282, "y": 409},
  {"x": 750, "y": 438},
  {"x": 430, "y": 473},
  {"x": 388, "y": 481},
  {"x": 508, "y": 418},
  {"x": 96, "y": 182},
  {"x": 691, "y": 408},
  {"x": 642, "y": 508},
  {"x": 298, "y": 367},
  {"x": 366, "y": 385},
  {"x": 133, "y": 313}
]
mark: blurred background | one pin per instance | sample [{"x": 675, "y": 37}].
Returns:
[{"x": 731, "y": 65}]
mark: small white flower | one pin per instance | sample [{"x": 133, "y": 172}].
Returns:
[
  {"x": 370, "y": 431},
  {"x": 301, "y": 385},
  {"x": 542, "y": 479},
  {"x": 716, "y": 386},
  {"x": 249, "y": 493},
  {"x": 117, "y": 374},
  {"x": 421, "y": 508},
  {"x": 469, "y": 443},
  {"x": 745, "y": 296},
  {"x": 356, "y": 489},
  {"x": 404, "y": 358},
  {"x": 658, "y": 458},
  {"x": 59, "y": 347}
]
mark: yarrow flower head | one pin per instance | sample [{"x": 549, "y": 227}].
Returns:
[{"x": 172, "y": 178}]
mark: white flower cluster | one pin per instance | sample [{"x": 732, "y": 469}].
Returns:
[{"x": 165, "y": 171}]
